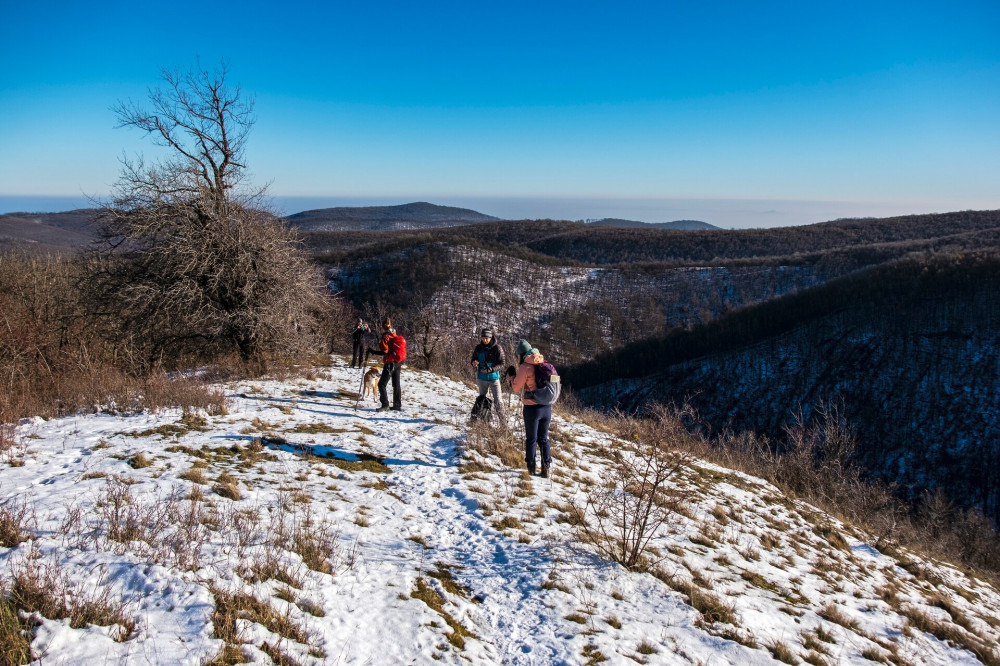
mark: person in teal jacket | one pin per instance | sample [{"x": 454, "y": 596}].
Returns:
[{"x": 488, "y": 360}]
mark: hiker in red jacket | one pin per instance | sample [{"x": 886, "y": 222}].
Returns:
[{"x": 392, "y": 348}]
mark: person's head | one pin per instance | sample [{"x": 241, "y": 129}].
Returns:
[
  {"x": 486, "y": 334},
  {"x": 387, "y": 324},
  {"x": 523, "y": 349}
]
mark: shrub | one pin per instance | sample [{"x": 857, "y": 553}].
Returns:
[{"x": 622, "y": 516}]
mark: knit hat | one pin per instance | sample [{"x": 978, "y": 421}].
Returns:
[
  {"x": 487, "y": 333},
  {"x": 523, "y": 347}
]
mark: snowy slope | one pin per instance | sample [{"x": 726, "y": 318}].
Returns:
[{"x": 381, "y": 539}]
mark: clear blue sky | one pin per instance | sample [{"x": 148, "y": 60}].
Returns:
[{"x": 724, "y": 111}]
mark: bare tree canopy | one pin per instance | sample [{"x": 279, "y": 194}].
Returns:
[
  {"x": 190, "y": 267},
  {"x": 205, "y": 122}
]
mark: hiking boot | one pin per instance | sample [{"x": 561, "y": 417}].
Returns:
[
  {"x": 531, "y": 471},
  {"x": 396, "y": 409},
  {"x": 383, "y": 408},
  {"x": 545, "y": 473}
]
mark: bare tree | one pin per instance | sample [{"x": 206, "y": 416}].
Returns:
[
  {"x": 205, "y": 124},
  {"x": 191, "y": 264}
]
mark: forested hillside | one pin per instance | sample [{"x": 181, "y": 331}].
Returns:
[
  {"x": 575, "y": 312},
  {"x": 842, "y": 244},
  {"x": 534, "y": 279},
  {"x": 909, "y": 350}
]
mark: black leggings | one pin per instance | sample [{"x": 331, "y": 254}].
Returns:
[
  {"x": 359, "y": 353},
  {"x": 390, "y": 370},
  {"x": 536, "y": 432}
]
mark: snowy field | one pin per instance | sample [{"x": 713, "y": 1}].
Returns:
[{"x": 296, "y": 530}]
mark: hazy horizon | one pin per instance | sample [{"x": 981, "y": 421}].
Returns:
[
  {"x": 736, "y": 114},
  {"x": 724, "y": 213}
]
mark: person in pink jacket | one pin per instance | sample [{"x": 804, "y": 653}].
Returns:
[{"x": 536, "y": 416}]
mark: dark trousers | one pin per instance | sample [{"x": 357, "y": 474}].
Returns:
[
  {"x": 390, "y": 370},
  {"x": 536, "y": 432},
  {"x": 359, "y": 353}
]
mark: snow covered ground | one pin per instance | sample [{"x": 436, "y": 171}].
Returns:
[{"x": 302, "y": 531}]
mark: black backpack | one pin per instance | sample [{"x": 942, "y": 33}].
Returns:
[{"x": 481, "y": 410}]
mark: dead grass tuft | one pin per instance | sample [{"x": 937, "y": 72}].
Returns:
[
  {"x": 434, "y": 601},
  {"x": 237, "y": 605},
  {"x": 139, "y": 461},
  {"x": 951, "y": 633},
  {"x": 782, "y": 652},
  {"x": 43, "y": 588},
  {"x": 15, "y": 647},
  {"x": 227, "y": 486},
  {"x": 17, "y": 520}
]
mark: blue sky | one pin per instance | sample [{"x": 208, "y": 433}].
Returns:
[{"x": 737, "y": 113}]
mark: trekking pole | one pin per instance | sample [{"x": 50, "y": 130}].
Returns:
[{"x": 361, "y": 388}]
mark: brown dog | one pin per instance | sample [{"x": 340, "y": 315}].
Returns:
[{"x": 369, "y": 384}]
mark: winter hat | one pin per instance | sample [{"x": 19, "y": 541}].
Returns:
[
  {"x": 523, "y": 348},
  {"x": 487, "y": 333}
]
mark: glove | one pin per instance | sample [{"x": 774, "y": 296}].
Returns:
[{"x": 511, "y": 371}]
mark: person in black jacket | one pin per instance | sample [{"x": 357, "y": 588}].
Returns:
[
  {"x": 488, "y": 360},
  {"x": 360, "y": 337}
]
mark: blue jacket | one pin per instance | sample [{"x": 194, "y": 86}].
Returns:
[{"x": 490, "y": 357}]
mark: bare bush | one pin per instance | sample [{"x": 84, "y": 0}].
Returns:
[
  {"x": 192, "y": 265},
  {"x": 639, "y": 496},
  {"x": 53, "y": 363}
]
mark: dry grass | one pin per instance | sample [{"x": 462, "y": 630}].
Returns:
[
  {"x": 698, "y": 594},
  {"x": 498, "y": 441},
  {"x": 15, "y": 648},
  {"x": 194, "y": 475},
  {"x": 434, "y": 601},
  {"x": 227, "y": 486},
  {"x": 42, "y": 587},
  {"x": 139, "y": 461},
  {"x": 816, "y": 462},
  {"x": 17, "y": 521},
  {"x": 833, "y": 614},
  {"x": 315, "y": 541},
  {"x": 782, "y": 652},
  {"x": 952, "y": 633},
  {"x": 238, "y": 605}
]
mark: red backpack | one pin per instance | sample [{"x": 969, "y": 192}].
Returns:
[{"x": 397, "y": 349}]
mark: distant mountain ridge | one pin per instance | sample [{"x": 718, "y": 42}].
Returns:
[
  {"x": 48, "y": 231},
  {"x": 415, "y": 215},
  {"x": 684, "y": 225}
]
